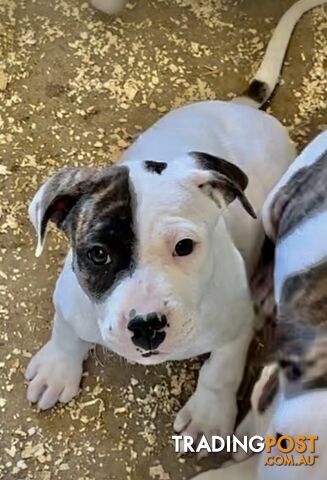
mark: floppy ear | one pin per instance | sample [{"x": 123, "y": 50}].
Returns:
[
  {"x": 55, "y": 199},
  {"x": 222, "y": 181}
]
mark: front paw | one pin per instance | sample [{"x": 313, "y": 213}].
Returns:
[
  {"x": 54, "y": 375},
  {"x": 207, "y": 412}
]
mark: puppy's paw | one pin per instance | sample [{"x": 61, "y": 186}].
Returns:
[
  {"x": 53, "y": 376},
  {"x": 207, "y": 412}
]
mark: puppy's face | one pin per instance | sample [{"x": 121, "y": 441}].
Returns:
[{"x": 143, "y": 240}]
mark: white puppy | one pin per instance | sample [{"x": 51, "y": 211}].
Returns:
[{"x": 158, "y": 266}]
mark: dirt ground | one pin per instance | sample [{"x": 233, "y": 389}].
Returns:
[{"x": 76, "y": 87}]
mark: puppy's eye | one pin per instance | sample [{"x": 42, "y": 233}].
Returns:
[
  {"x": 184, "y": 247},
  {"x": 98, "y": 255}
]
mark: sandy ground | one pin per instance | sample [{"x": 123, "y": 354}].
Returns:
[{"x": 75, "y": 88}]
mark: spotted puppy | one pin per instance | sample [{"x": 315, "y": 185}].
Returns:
[
  {"x": 159, "y": 259},
  {"x": 295, "y": 217}
]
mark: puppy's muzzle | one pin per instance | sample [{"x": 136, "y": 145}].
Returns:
[{"x": 148, "y": 331}]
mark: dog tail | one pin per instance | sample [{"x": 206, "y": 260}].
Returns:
[{"x": 266, "y": 78}]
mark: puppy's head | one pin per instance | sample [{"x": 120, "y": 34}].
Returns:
[{"x": 143, "y": 239}]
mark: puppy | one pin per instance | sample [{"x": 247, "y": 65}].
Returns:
[{"x": 159, "y": 260}]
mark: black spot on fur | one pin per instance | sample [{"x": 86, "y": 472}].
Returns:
[
  {"x": 257, "y": 91},
  {"x": 155, "y": 167}
]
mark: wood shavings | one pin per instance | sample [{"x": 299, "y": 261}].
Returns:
[
  {"x": 76, "y": 88},
  {"x": 157, "y": 472},
  {"x": 3, "y": 80}
]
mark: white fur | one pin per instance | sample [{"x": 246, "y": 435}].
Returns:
[
  {"x": 209, "y": 307},
  {"x": 305, "y": 247}
]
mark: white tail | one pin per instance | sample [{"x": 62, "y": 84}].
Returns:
[{"x": 266, "y": 78}]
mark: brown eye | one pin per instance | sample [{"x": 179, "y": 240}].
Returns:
[
  {"x": 98, "y": 255},
  {"x": 184, "y": 247}
]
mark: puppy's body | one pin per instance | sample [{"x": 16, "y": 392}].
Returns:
[
  {"x": 159, "y": 265},
  {"x": 295, "y": 216}
]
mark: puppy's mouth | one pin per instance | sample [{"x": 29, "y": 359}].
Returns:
[{"x": 150, "y": 353}]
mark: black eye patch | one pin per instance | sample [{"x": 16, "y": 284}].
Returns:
[
  {"x": 155, "y": 167},
  {"x": 104, "y": 220}
]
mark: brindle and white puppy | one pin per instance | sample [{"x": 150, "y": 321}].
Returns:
[
  {"x": 158, "y": 265},
  {"x": 295, "y": 217}
]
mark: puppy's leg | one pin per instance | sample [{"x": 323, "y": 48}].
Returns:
[
  {"x": 55, "y": 371},
  {"x": 212, "y": 408}
]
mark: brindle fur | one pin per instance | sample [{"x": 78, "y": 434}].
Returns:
[
  {"x": 300, "y": 198},
  {"x": 302, "y": 311},
  {"x": 94, "y": 207}
]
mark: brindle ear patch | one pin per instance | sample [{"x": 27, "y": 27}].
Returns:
[
  {"x": 57, "y": 198},
  {"x": 58, "y": 211}
]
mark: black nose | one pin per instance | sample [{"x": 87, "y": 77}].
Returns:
[{"x": 146, "y": 330}]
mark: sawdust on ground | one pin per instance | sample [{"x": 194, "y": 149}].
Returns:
[{"x": 76, "y": 88}]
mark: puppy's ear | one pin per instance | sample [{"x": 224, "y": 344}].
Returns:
[
  {"x": 56, "y": 198},
  {"x": 222, "y": 181}
]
